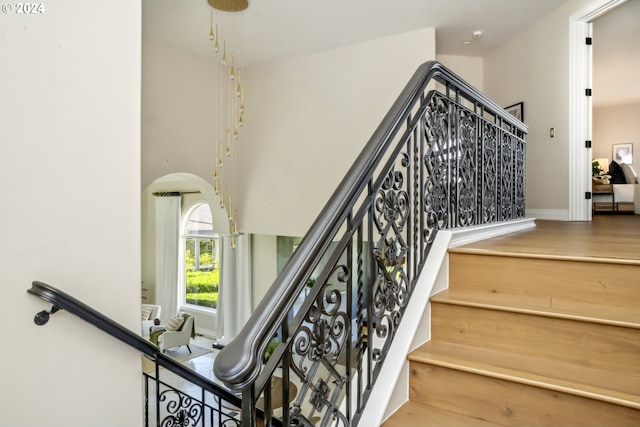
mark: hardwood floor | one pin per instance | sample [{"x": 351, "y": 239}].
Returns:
[{"x": 607, "y": 236}]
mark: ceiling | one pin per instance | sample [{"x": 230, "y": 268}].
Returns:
[{"x": 271, "y": 30}]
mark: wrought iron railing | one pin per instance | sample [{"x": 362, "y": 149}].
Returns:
[
  {"x": 174, "y": 394},
  {"x": 440, "y": 159}
]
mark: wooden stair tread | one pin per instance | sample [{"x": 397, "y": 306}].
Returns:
[
  {"x": 569, "y": 378},
  {"x": 543, "y": 255},
  {"x": 418, "y": 414},
  {"x": 628, "y": 317}
]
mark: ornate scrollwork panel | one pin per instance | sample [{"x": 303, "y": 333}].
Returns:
[
  {"x": 467, "y": 169},
  {"x": 391, "y": 212},
  {"x": 506, "y": 176},
  {"x": 390, "y": 297},
  {"x": 179, "y": 409},
  {"x": 318, "y": 350},
  {"x": 436, "y": 163},
  {"x": 520, "y": 179},
  {"x": 392, "y": 199},
  {"x": 490, "y": 173}
]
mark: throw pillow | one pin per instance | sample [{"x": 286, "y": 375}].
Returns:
[
  {"x": 146, "y": 312},
  {"x": 629, "y": 174},
  {"x": 174, "y": 323},
  {"x": 617, "y": 175}
]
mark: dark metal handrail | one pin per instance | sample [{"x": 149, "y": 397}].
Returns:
[
  {"x": 63, "y": 301},
  {"x": 382, "y": 190}
]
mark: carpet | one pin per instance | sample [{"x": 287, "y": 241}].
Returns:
[{"x": 181, "y": 354}]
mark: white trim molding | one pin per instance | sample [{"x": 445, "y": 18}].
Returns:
[
  {"x": 463, "y": 236},
  {"x": 550, "y": 214},
  {"x": 580, "y": 124}
]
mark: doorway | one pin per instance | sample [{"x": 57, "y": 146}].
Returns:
[{"x": 580, "y": 106}]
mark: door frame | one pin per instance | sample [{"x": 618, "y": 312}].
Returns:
[{"x": 580, "y": 106}]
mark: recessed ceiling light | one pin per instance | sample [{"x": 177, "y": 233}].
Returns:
[
  {"x": 477, "y": 34},
  {"x": 466, "y": 42}
]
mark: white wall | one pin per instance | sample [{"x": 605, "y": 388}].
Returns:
[
  {"x": 265, "y": 265},
  {"x": 308, "y": 118},
  {"x": 470, "y": 68},
  {"x": 70, "y": 175},
  {"x": 534, "y": 68},
  {"x": 616, "y": 124},
  {"x": 178, "y": 110}
]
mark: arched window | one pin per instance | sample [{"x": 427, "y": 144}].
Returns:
[{"x": 201, "y": 258}]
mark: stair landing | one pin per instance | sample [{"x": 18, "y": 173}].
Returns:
[{"x": 615, "y": 236}]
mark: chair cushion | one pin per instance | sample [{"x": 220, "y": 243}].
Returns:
[
  {"x": 146, "y": 327},
  {"x": 174, "y": 323},
  {"x": 629, "y": 174},
  {"x": 146, "y": 312},
  {"x": 617, "y": 175}
]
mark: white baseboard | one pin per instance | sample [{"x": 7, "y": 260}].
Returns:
[
  {"x": 391, "y": 390},
  {"x": 549, "y": 214},
  {"x": 463, "y": 236},
  {"x": 208, "y": 333}
]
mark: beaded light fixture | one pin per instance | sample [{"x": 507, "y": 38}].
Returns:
[
  {"x": 223, "y": 33},
  {"x": 229, "y": 5}
]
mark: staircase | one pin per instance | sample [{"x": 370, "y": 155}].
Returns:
[{"x": 529, "y": 340}]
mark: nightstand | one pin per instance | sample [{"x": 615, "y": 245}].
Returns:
[{"x": 603, "y": 190}]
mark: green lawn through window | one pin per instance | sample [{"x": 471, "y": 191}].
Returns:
[{"x": 202, "y": 288}]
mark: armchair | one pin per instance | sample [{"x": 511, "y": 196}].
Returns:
[
  {"x": 168, "y": 339},
  {"x": 153, "y": 311}
]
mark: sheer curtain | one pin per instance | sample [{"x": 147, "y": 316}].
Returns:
[
  {"x": 235, "y": 296},
  {"x": 167, "y": 252},
  {"x": 244, "y": 295}
]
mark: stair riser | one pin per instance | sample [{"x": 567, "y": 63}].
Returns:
[
  {"x": 590, "y": 282},
  {"x": 509, "y": 403},
  {"x": 612, "y": 348}
]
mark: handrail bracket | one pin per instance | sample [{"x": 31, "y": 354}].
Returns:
[{"x": 42, "y": 317}]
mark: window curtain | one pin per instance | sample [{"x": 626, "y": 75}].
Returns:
[
  {"x": 167, "y": 252},
  {"x": 235, "y": 295},
  {"x": 243, "y": 274}
]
